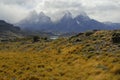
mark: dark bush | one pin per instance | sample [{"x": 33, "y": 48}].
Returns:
[
  {"x": 78, "y": 40},
  {"x": 79, "y": 34},
  {"x": 116, "y": 38},
  {"x": 5, "y": 40},
  {"x": 36, "y": 38},
  {"x": 45, "y": 38},
  {"x": 89, "y": 33},
  {"x": 34, "y": 78}
]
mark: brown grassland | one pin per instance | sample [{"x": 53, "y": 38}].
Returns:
[{"x": 86, "y": 56}]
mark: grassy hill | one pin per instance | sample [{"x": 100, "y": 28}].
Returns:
[{"x": 93, "y": 55}]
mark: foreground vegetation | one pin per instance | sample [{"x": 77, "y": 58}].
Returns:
[{"x": 86, "y": 56}]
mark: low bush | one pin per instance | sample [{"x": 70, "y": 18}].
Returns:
[
  {"x": 36, "y": 38},
  {"x": 116, "y": 38}
]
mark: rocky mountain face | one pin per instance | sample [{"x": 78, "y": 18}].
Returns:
[
  {"x": 67, "y": 24},
  {"x": 9, "y": 31}
]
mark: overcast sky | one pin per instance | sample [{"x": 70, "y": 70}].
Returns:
[{"x": 102, "y": 10}]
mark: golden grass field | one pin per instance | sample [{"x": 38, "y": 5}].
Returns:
[{"x": 58, "y": 60}]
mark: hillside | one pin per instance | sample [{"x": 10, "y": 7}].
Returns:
[
  {"x": 9, "y": 31},
  {"x": 92, "y": 55}
]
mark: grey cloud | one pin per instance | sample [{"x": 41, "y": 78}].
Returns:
[
  {"x": 15, "y": 1},
  {"x": 55, "y": 8},
  {"x": 61, "y": 4},
  {"x": 22, "y": 3},
  {"x": 12, "y": 13}
]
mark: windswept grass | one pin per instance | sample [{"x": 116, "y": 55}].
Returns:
[{"x": 76, "y": 58}]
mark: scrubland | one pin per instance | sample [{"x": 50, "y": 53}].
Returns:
[{"x": 86, "y": 56}]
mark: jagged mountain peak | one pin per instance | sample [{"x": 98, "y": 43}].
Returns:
[
  {"x": 41, "y": 14},
  {"x": 32, "y": 14},
  {"x": 34, "y": 18},
  {"x": 43, "y": 18},
  {"x": 82, "y": 16},
  {"x": 36, "y": 15},
  {"x": 67, "y": 14},
  {"x": 67, "y": 17}
]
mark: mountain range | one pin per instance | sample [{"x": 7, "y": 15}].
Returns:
[
  {"x": 42, "y": 25},
  {"x": 67, "y": 24}
]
